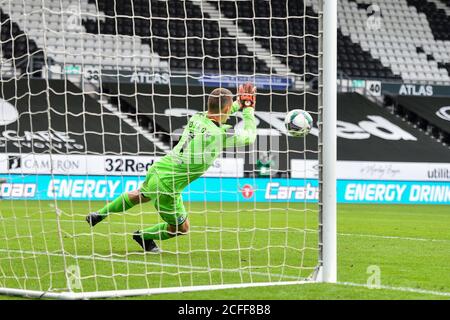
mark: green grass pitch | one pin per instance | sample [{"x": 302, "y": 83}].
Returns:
[{"x": 229, "y": 243}]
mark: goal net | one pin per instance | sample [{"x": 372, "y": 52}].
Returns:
[{"x": 93, "y": 92}]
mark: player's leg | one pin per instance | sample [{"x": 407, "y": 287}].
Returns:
[
  {"x": 122, "y": 203},
  {"x": 161, "y": 231},
  {"x": 164, "y": 230},
  {"x": 176, "y": 222},
  {"x": 179, "y": 230}
]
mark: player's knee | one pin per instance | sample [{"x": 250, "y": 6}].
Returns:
[
  {"x": 180, "y": 229},
  {"x": 134, "y": 196},
  {"x": 184, "y": 228}
]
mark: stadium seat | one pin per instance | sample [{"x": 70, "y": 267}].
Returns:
[
  {"x": 411, "y": 24},
  {"x": 157, "y": 35}
]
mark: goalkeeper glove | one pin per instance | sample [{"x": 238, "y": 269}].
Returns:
[{"x": 247, "y": 95}]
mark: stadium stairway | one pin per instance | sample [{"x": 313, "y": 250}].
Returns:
[
  {"x": 126, "y": 112},
  {"x": 274, "y": 30},
  {"x": 391, "y": 136},
  {"x": 422, "y": 113},
  {"x": 19, "y": 48},
  {"x": 140, "y": 123},
  {"x": 93, "y": 125},
  {"x": 248, "y": 39}
]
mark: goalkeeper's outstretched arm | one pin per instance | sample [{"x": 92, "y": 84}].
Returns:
[
  {"x": 248, "y": 135},
  {"x": 246, "y": 102}
]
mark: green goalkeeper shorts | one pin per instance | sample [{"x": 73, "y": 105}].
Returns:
[{"x": 168, "y": 203}]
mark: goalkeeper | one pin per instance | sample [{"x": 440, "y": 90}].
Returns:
[{"x": 203, "y": 140}]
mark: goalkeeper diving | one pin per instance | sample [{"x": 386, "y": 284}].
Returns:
[{"x": 203, "y": 140}]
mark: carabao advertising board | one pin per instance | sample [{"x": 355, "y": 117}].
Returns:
[
  {"x": 59, "y": 187},
  {"x": 91, "y": 154}
]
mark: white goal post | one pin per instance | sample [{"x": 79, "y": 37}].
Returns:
[
  {"x": 328, "y": 147},
  {"x": 91, "y": 96}
]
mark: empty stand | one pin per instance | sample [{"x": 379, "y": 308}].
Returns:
[
  {"x": 355, "y": 62},
  {"x": 438, "y": 20},
  {"x": 59, "y": 28},
  {"x": 412, "y": 43},
  {"x": 189, "y": 47},
  {"x": 403, "y": 29},
  {"x": 287, "y": 28},
  {"x": 17, "y": 49}
]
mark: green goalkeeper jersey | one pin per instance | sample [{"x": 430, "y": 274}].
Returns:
[{"x": 202, "y": 142}]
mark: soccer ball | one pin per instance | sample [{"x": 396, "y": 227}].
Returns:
[{"x": 298, "y": 123}]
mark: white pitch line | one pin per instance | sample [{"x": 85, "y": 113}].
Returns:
[
  {"x": 273, "y": 229},
  {"x": 351, "y": 284},
  {"x": 393, "y": 237},
  {"x": 306, "y": 230},
  {"x": 96, "y": 257},
  {"x": 392, "y": 288},
  {"x": 277, "y": 229}
]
